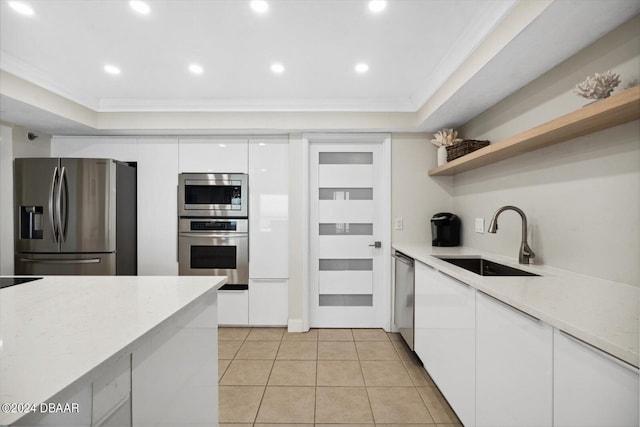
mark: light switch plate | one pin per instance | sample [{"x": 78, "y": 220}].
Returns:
[
  {"x": 479, "y": 225},
  {"x": 398, "y": 223}
]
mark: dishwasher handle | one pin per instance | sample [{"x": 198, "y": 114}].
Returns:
[{"x": 403, "y": 258}]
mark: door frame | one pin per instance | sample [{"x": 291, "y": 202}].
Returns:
[{"x": 385, "y": 140}]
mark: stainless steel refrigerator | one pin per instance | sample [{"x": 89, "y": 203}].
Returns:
[{"x": 75, "y": 216}]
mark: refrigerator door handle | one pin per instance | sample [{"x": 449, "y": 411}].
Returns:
[
  {"x": 52, "y": 219},
  {"x": 65, "y": 216},
  {"x": 61, "y": 230},
  {"x": 62, "y": 261}
]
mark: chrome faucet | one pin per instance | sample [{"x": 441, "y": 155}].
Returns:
[{"x": 525, "y": 251}]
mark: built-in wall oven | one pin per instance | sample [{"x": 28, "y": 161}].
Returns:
[
  {"x": 214, "y": 247},
  {"x": 213, "y": 195}
]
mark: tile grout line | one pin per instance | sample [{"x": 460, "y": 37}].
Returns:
[
  {"x": 364, "y": 381},
  {"x": 264, "y": 392}
]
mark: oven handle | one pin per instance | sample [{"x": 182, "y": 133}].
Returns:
[{"x": 217, "y": 236}]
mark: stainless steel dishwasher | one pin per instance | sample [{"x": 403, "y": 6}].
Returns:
[{"x": 403, "y": 313}]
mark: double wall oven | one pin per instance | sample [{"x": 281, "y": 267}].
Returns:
[{"x": 213, "y": 227}]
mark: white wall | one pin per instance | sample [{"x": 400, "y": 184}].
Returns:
[
  {"x": 14, "y": 143},
  {"x": 582, "y": 197},
  {"x": 415, "y": 196}
]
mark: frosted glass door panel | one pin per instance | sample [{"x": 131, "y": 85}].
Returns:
[{"x": 345, "y": 282}]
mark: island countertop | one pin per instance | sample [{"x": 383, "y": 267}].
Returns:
[
  {"x": 56, "y": 330},
  {"x": 599, "y": 312}
]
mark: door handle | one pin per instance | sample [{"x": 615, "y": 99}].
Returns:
[
  {"x": 59, "y": 205},
  {"x": 376, "y": 245},
  {"x": 52, "y": 220},
  {"x": 62, "y": 261}
]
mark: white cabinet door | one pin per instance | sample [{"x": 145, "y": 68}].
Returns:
[
  {"x": 513, "y": 367},
  {"x": 118, "y": 148},
  {"x": 456, "y": 343},
  {"x": 112, "y": 394},
  {"x": 233, "y": 307},
  {"x": 214, "y": 155},
  {"x": 591, "y": 388},
  {"x": 157, "y": 207},
  {"x": 268, "y": 209},
  {"x": 425, "y": 315},
  {"x": 268, "y": 302}
]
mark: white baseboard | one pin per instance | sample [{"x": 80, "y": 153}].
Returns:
[{"x": 297, "y": 325}]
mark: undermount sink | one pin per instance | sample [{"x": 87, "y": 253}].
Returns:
[{"x": 484, "y": 267}]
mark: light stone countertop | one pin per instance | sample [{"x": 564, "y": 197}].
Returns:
[
  {"x": 599, "y": 312},
  {"x": 57, "y": 330}
]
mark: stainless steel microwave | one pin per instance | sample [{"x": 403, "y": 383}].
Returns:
[{"x": 213, "y": 195}]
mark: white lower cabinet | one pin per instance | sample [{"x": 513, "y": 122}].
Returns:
[
  {"x": 425, "y": 317},
  {"x": 445, "y": 337},
  {"x": 456, "y": 340},
  {"x": 591, "y": 388},
  {"x": 513, "y": 367},
  {"x": 268, "y": 302},
  {"x": 233, "y": 307}
]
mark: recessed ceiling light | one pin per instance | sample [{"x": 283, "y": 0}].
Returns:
[
  {"x": 223, "y": 145},
  {"x": 377, "y": 6},
  {"x": 263, "y": 170},
  {"x": 259, "y": 6},
  {"x": 140, "y": 7},
  {"x": 21, "y": 8},
  {"x": 277, "y": 68},
  {"x": 362, "y": 68},
  {"x": 196, "y": 69},
  {"x": 262, "y": 144},
  {"x": 112, "y": 69}
]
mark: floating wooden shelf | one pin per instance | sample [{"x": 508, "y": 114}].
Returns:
[{"x": 615, "y": 110}]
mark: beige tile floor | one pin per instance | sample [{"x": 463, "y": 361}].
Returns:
[{"x": 325, "y": 377}]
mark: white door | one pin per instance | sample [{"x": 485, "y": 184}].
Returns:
[{"x": 345, "y": 221}]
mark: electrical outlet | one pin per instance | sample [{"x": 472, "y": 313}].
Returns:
[
  {"x": 479, "y": 225},
  {"x": 399, "y": 223}
]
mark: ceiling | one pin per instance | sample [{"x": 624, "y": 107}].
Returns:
[{"x": 412, "y": 48}]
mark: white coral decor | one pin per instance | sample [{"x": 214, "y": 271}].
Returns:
[
  {"x": 599, "y": 86},
  {"x": 445, "y": 138}
]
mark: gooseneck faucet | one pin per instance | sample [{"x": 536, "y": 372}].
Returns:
[{"x": 525, "y": 251}]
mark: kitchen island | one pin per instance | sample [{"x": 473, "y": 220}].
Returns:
[{"x": 104, "y": 350}]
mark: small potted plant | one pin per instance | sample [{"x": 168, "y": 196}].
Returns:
[{"x": 443, "y": 139}]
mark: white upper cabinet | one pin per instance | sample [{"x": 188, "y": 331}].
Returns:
[
  {"x": 591, "y": 388},
  {"x": 269, "y": 209},
  {"x": 513, "y": 367},
  {"x": 123, "y": 149},
  {"x": 157, "y": 207},
  {"x": 215, "y": 155}
]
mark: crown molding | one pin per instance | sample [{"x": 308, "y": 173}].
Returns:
[
  {"x": 400, "y": 104},
  {"x": 28, "y": 72}
]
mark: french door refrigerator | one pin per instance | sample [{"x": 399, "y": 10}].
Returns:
[{"x": 75, "y": 217}]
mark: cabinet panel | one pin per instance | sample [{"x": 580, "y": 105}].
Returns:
[
  {"x": 590, "y": 388},
  {"x": 513, "y": 367},
  {"x": 123, "y": 149},
  {"x": 268, "y": 302},
  {"x": 426, "y": 303},
  {"x": 214, "y": 155},
  {"x": 269, "y": 209},
  {"x": 112, "y": 391},
  {"x": 157, "y": 207},
  {"x": 175, "y": 372},
  {"x": 233, "y": 307},
  {"x": 456, "y": 346}
]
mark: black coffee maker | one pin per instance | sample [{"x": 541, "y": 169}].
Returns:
[{"x": 445, "y": 229}]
